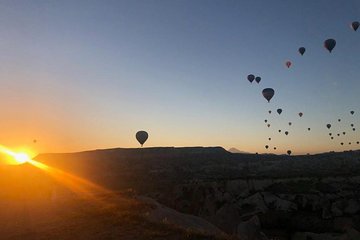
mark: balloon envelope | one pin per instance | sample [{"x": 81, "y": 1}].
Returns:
[
  {"x": 300, "y": 114},
  {"x": 352, "y": 112},
  {"x": 258, "y": 79},
  {"x": 288, "y": 152},
  {"x": 288, "y": 64},
  {"x": 328, "y": 125},
  {"x": 141, "y": 136},
  {"x": 268, "y": 93},
  {"x": 251, "y": 78},
  {"x": 279, "y": 110},
  {"x": 302, "y": 50},
  {"x": 329, "y": 44},
  {"x": 355, "y": 25}
]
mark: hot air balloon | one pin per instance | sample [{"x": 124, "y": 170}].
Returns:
[
  {"x": 289, "y": 152},
  {"x": 352, "y": 124},
  {"x": 339, "y": 120},
  {"x": 142, "y": 136},
  {"x": 269, "y": 111},
  {"x": 251, "y": 78},
  {"x": 34, "y": 141},
  {"x": 349, "y": 143},
  {"x": 329, "y": 44},
  {"x": 258, "y": 79},
  {"x": 338, "y": 134},
  {"x": 300, "y": 114},
  {"x": 309, "y": 129},
  {"x": 268, "y": 93},
  {"x": 357, "y": 142},
  {"x": 286, "y": 133},
  {"x": 268, "y": 125},
  {"x": 328, "y": 125},
  {"x": 332, "y": 137},
  {"x": 290, "y": 123},
  {"x": 330, "y": 134},
  {"x": 288, "y": 64},
  {"x": 274, "y": 148},
  {"x": 266, "y": 146},
  {"x": 342, "y": 143},
  {"x": 302, "y": 50},
  {"x": 352, "y": 112},
  {"x": 279, "y": 130},
  {"x": 265, "y": 120},
  {"x": 353, "y": 129},
  {"x": 344, "y": 133},
  {"x": 269, "y": 139},
  {"x": 355, "y": 25},
  {"x": 279, "y": 111}
]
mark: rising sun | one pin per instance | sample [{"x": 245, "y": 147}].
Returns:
[{"x": 21, "y": 157}]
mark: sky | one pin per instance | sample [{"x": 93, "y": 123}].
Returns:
[{"x": 80, "y": 75}]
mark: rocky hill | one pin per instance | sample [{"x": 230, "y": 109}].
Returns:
[{"x": 282, "y": 197}]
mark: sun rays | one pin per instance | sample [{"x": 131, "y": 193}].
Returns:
[{"x": 80, "y": 186}]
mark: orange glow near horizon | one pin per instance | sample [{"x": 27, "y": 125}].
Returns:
[
  {"x": 80, "y": 186},
  {"x": 15, "y": 158}
]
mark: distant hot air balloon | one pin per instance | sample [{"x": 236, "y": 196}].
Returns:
[
  {"x": 342, "y": 143},
  {"x": 258, "y": 79},
  {"x": 339, "y": 120},
  {"x": 330, "y": 134},
  {"x": 268, "y": 125},
  {"x": 142, "y": 136},
  {"x": 302, "y": 50},
  {"x": 354, "y": 129},
  {"x": 269, "y": 111},
  {"x": 279, "y": 111},
  {"x": 349, "y": 143},
  {"x": 352, "y": 112},
  {"x": 344, "y": 133},
  {"x": 352, "y": 124},
  {"x": 268, "y": 93},
  {"x": 300, "y": 114},
  {"x": 250, "y": 78},
  {"x": 274, "y": 148},
  {"x": 34, "y": 141},
  {"x": 286, "y": 133},
  {"x": 309, "y": 129},
  {"x": 328, "y": 125},
  {"x": 288, "y": 64},
  {"x": 357, "y": 142},
  {"x": 290, "y": 123},
  {"x": 279, "y": 130},
  {"x": 265, "y": 120},
  {"x": 355, "y": 25},
  {"x": 289, "y": 152},
  {"x": 269, "y": 139},
  {"x": 338, "y": 134},
  {"x": 266, "y": 146},
  {"x": 329, "y": 44},
  {"x": 332, "y": 137}
]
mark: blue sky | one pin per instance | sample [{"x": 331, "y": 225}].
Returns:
[{"x": 88, "y": 74}]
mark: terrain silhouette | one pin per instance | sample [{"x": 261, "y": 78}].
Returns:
[{"x": 288, "y": 196}]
